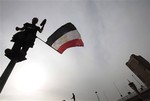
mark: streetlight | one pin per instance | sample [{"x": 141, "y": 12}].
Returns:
[{"x": 97, "y": 96}]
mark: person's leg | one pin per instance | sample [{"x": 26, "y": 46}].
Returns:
[
  {"x": 16, "y": 47},
  {"x": 25, "y": 49}
]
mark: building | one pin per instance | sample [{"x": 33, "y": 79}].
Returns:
[
  {"x": 140, "y": 67},
  {"x": 133, "y": 96}
]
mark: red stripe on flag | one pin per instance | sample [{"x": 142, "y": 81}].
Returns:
[{"x": 72, "y": 43}]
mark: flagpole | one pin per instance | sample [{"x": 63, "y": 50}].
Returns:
[{"x": 45, "y": 43}]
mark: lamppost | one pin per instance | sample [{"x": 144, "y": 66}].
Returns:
[{"x": 97, "y": 96}]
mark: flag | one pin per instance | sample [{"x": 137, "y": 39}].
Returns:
[{"x": 65, "y": 37}]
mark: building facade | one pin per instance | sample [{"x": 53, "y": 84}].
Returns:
[{"x": 140, "y": 67}]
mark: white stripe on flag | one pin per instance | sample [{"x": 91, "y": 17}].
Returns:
[{"x": 65, "y": 38}]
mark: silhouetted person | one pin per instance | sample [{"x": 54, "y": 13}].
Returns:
[
  {"x": 25, "y": 39},
  {"x": 73, "y": 97}
]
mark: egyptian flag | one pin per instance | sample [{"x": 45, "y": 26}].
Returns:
[{"x": 65, "y": 37}]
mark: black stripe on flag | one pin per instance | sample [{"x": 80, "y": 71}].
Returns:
[{"x": 60, "y": 32}]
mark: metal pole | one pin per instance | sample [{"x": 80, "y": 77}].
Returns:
[
  {"x": 6, "y": 74},
  {"x": 118, "y": 91},
  {"x": 97, "y": 96},
  {"x": 105, "y": 96}
]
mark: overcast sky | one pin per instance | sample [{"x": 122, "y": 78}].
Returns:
[{"x": 111, "y": 30}]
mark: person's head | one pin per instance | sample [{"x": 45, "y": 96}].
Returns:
[{"x": 34, "y": 20}]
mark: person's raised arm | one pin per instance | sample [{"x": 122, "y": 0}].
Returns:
[{"x": 42, "y": 24}]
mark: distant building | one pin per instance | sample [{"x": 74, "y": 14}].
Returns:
[
  {"x": 145, "y": 94},
  {"x": 140, "y": 67}
]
